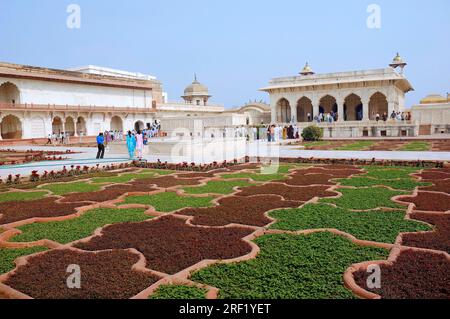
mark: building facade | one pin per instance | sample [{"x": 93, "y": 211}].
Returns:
[
  {"x": 433, "y": 115},
  {"x": 36, "y": 102},
  {"x": 356, "y": 97}
]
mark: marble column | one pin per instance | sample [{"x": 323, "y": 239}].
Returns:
[
  {"x": 365, "y": 104},
  {"x": 293, "y": 113},
  {"x": 274, "y": 114},
  {"x": 316, "y": 105},
  {"x": 340, "y": 105},
  {"x": 391, "y": 107}
]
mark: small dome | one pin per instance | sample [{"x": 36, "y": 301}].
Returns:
[
  {"x": 397, "y": 59},
  {"x": 196, "y": 89},
  {"x": 433, "y": 98},
  {"x": 307, "y": 70}
]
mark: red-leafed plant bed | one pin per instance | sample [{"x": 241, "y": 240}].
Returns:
[
  {"x": 46, "y": 207},
  {"x": 166, "y": 181},
  {"x": 436, "y": 174},
  {"x": 302, "y": 194},
  {"x": 438, "y": 240},
  {"x": 299, "y": 179},
  {"x": 429, "y": 201},
  {"x": 439, "y": 186},
  {"x": 202, "y": 174},
  {"x": 238, "y": 210},
  {"x": 244, "y": 166},
  {"x": 443, "y": 145},
  {"x": 109, "y": 193},
  {"x": 414, "y": 275},
  {"x": 104, "y": 275},
  {"x": 170, "y": 245},
  {"x": 336, "y": 173},
  {"x": 339, "y": 167}
]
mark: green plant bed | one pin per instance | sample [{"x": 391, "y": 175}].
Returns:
[
  {"x": 401, "y": 184},
  {"x": 217, "y": 187},
  {"x": 20, "y": 196},
  {"x": 386, "y": 172},
  {"x": 169, "y": 201},
  {"x": 66, "y": 188},
  {"x": 291, "y": 267},
  {"x": 122, "y": 178},
  {"x": 316, "y": 143},
  {"x": 365, "y": 198},
  {"x": 357, "y": 146},
  {"x": 84, "y": 226},
  {"x": 156, "y": 171},
  {"x": 179, "y": 292},
  {"x": 416, "y": 146},
  {"x": 8, "y": 256},
  {"x": 284, "y": 168},
  {"x": 377, "y": 226},
  {"x": 255, "y": 176}
]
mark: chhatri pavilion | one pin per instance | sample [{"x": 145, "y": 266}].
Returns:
[{"x": 357, "y": 97}]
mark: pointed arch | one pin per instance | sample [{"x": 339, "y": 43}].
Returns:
[
  {"x": 69, "y": 126},
  {"x": 378, "y": 104},
  {"x": 116, "y": 123},
  {"x": 57, "y": 125},
  {"x": 11, "y": 128},
  {"x": 81, "y": 126},
  {"x": 328, "y": 104},
  {"x": 353, "y": 108},
  {"x": 9, "y": 93},
  {"x": 283, "y": 110},
  {"x": 304, "y": 107}
]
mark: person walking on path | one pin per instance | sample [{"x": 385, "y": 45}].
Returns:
[
  {"x": 101, "y": 146},
  {"x": 139, "y": 144},
  {"x": 131, "y": 144},
  {"x": 49, "y": 139}
]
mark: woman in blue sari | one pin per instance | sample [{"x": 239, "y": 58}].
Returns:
[{"x": 131, "y": 144}]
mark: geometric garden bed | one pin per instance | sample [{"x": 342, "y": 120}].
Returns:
[{"x": 308, "y": 231}]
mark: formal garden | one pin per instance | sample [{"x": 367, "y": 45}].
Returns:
[
  {"x": 434, "y": 145},
  {"x": 305, "y": 231}
]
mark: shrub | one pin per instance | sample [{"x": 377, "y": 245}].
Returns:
[{"x": 312, "y": 133}]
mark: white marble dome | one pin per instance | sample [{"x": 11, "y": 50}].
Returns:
[{"x": 196, "y": 89}]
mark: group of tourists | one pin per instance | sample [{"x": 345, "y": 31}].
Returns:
[
  {"x": 324, "y": 117},
  {"x": 135, "y": 143},
  {"x": 395, "y": 116},
  {"x": 135, "y": 140},
  {"x": 111, "y": 136},
  {"x": 277, "y": 133},
  {"x": 60, "y": 138},
  {"x": 401, "y": 116}
]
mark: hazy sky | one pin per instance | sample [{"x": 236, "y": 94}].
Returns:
[{"x": 235, "y": 47}]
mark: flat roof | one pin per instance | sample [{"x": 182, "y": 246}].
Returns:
[
  {"x": 337, "y": 78},
  {"x": 67, "y": 76}
]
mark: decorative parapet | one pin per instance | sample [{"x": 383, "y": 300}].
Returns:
[
  {"x": 315, "y": 80},
  {"x": 177, "y": 106},
  {"x": 74, "y": 108}
]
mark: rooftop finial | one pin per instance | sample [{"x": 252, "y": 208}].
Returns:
[
  {"x": 307, "y": 70},
  {"x": 398, "y": 62}
]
